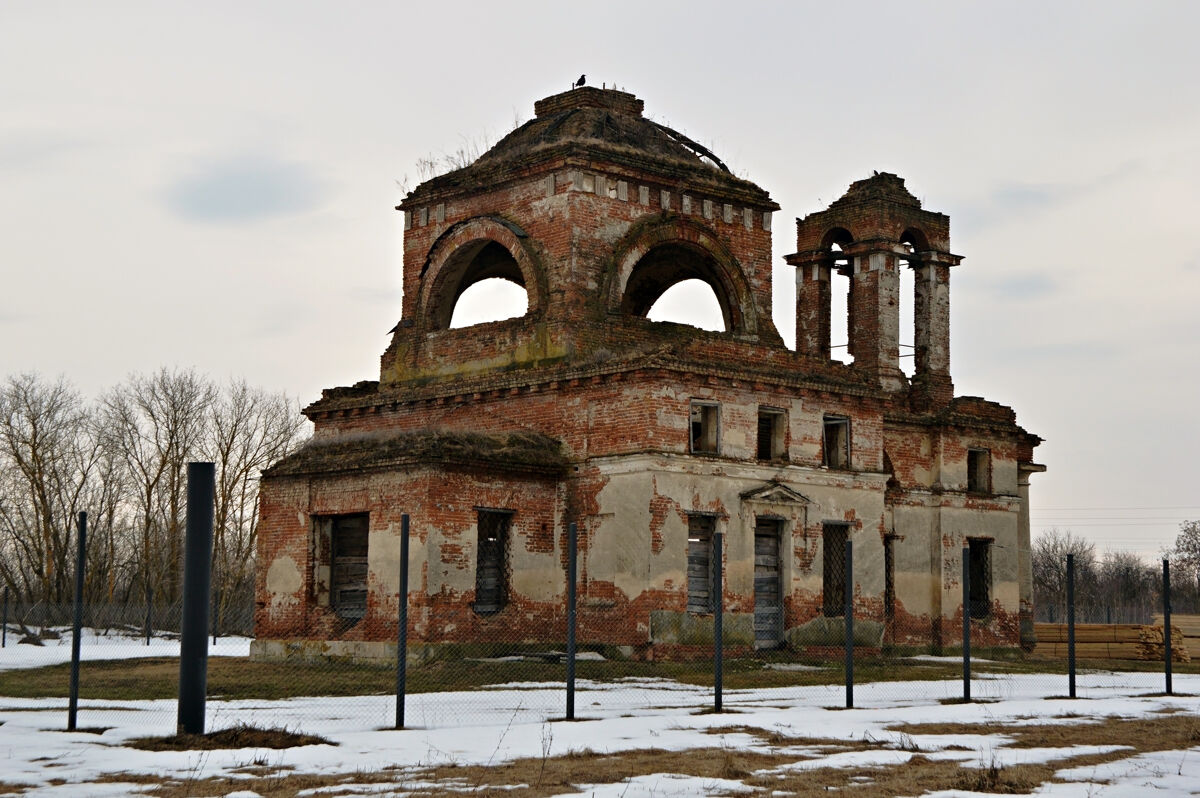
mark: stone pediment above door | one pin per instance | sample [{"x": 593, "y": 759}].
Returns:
[{"x": 775, "y": 493}]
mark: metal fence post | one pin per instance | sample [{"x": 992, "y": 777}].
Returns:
[
  {"x": 966, "y": 630},
  {"x": 149, "y": 606},
  {"x": 4, "y": 626},
  {"x": 1167, "y": 621},
  {"x": 77, "y": 623},
  {"x": 402, "y": 625},
  {"x": 197, "y": 576},
  {"x": 1071, "y": 625},
  {"x": 718, "y": 623},
  {"x": 848, "y": 609},
  {"x": 572, "y": 566}
]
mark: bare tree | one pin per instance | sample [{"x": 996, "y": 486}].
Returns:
[
  {"x": 158, "y": 423},
  {"x": 1130, "y": 588},
  {"x": 1185, "y": 575},
  {"x": 248, "y": 430},
  {"x": 46, "y": 456},
  {"x": 1050, "y": 550}
]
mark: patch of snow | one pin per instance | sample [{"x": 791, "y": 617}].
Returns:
[{"x": 506, "y": 722}]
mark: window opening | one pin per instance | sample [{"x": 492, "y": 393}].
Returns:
[
  {"x": 837, "y": 442},
  {"x": 907, "y": 301},
  {"x": 705, "y": 432},
  {"x": 348, "y": 568},
  {"x": 490, "y": 572},
  {"x": 841, "y": 288},
  {"x": 493, "y": 299},
  {"x": 980, "y": 572},
  {"x": 770, "y": 433},
  {"x": 979, "y": 471},
  {"x": 689, "y": 302},
  {"x": 700, "y": 599},
  {"x": 833, "y": 567}
]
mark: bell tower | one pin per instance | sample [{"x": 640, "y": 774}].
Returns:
[{"x": 873, "y": 231}]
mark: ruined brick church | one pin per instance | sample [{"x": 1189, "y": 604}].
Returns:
[{"x": 651, "y": 436}]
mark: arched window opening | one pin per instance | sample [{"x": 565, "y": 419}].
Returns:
[
  {"x": 841, "y": 287},
  {"x": 911, "y": 298},
  {"x": 907, "y": 298},
  {"x": 493, "y": 299},
  {"x": 487, "y": 271},
  {"x": 682, "y": 266},
  {"x": 689, "y": 302}
]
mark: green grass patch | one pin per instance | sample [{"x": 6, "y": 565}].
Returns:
[{"x": 240, "y": 678}]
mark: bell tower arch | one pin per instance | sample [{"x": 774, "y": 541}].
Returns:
[{"x": 876, "y": 229}]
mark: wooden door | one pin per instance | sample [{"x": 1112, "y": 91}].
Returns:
[{"x": 768, "y": 609}]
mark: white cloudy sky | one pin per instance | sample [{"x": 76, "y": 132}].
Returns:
[{"x": 211, "y": 185}]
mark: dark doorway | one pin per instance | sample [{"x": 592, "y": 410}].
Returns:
[
  {"x": 701, "y": 600},
  {"x": 349, "y": 566}
]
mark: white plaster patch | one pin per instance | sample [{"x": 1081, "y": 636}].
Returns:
[{"x": 283, "y": 577}]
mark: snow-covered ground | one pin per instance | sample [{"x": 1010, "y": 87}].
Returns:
[
  {"x": 98, "y": 645},
  {"x": 509, "y": 722}
]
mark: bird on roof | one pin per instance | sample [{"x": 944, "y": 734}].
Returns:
[{"x": 580, "y": 82}]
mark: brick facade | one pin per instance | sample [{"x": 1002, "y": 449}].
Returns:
[{"x": 583, "y": 410}]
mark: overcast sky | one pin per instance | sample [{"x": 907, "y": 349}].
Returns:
[{"x": 212, "y": 186}]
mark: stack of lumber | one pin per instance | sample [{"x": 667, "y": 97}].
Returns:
[
  {"x": 1129, "y": 641},
  {"x": 1154, "y": 648},
  {"x": 1188, "y": 626}
]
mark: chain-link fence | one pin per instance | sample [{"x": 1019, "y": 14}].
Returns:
[{"x": 511, "y": 668}]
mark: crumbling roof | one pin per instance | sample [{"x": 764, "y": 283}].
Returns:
[
  {"x": 601, "y": 123},
  {"x": 523, "y": 451},
  {"x": 880, "y": 186}
]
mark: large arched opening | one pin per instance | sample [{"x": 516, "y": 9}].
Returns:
[
  {"x": 479, "y": 272},
  {"x": 680, "y": 282},
  {"x": 841, "y": 294}
]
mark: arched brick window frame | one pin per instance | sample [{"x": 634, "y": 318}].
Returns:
[
  {"x": 631, "y": 290},
  {"x": 472, "y": 250}
]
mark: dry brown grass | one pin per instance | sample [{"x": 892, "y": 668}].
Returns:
[
  {"x": 766, "y": 770},
  {"x": 1165, "y": 733},
  {"x": 241, "y": 736}
]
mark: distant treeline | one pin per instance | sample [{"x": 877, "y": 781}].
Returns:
[
  {"x": 122, "y": 458},
  {"x": 1116, "y": 587}
]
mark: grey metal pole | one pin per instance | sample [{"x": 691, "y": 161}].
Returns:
[
  {"x": 966, "y": 630},
  {"x": 1071, "y": 625},
  {"x": 77, "y": 623},
  {"x": 848, "y": 610},
  {"x": 572, "y": 566},
  {"x": 197, "y": 562},
  {"x": 1167, "y": 621},
  {"x": 402, "y": 625},
  {"x": 4, "y": 626},
  {"x": 718, "y": 624}
]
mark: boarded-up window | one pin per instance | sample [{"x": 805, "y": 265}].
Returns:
[
  {"x": 980, "y": 573},
  {"x": 979, "y": 471},
  {"x": 837, "y": 442},
  {"x": 833, "y": 565},
  {"x": 348, "y": 568},
  {"x": 889, "y": 577},
  {"x": 700, "y": 563},
  {"x": 490, "y": 567},
  {"x": 770, "y": 433},
  {"x": 705, "y": 423}
]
